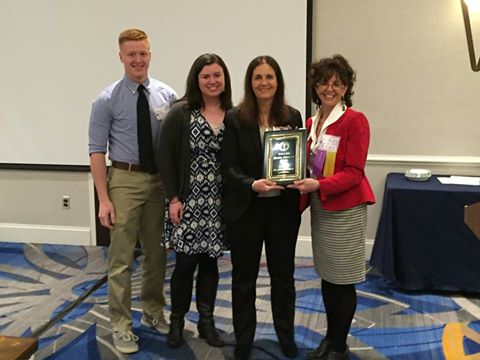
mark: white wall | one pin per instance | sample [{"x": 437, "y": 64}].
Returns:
[
  {"x": 414, "y": 83},
  {"x": 414, "y": 80},
  {"x": 31, "y": 207}
]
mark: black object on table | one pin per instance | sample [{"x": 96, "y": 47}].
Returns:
[{"x": 422, "y": 242}]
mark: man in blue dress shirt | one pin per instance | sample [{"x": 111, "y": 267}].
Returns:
[{"x": 132, "y": 198}]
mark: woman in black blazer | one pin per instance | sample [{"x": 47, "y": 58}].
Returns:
[{"x": 258, "y": 210}]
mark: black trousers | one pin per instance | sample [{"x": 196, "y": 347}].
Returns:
[
  {"x": 181, "y": 283},
  {"x": 268, "y": 221}
]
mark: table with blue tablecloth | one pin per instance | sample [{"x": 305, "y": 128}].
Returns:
[{"x": 422, "y": 241}]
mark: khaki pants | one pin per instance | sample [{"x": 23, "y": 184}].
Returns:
[{"x": 139, "y": 202}]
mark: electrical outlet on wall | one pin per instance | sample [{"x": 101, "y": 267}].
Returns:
[{"x": 66, "y": 202}]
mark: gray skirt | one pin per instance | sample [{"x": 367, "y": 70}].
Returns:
[{"x": 338, "y": 242}]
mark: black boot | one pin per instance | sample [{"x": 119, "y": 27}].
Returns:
[
  {"x": 175, "y": 335},
  {"x": 290, "y": 350},
  {"x": 181, "y": 295},
  {"x": 321, "y": 351},
  {"x": 242, "y": 352},
  {"x": 207, "y": 330},
  {"x": 206, "y": 293}
]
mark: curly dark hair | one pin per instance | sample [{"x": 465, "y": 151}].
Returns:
[
  {"x": 193, "y": 96},
  {"x": 248, "y": 109},
  {"x": 323, "y": 69}
]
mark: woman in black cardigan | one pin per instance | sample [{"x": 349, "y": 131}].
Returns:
[
  {"x": 257, "y": 210},
  {"x": 189, "y": 163}
]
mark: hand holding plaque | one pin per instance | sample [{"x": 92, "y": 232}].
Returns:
[{"x": 284, "y": 155}]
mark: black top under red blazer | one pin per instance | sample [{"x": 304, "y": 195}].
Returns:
[{"x": 242, "y": 162}]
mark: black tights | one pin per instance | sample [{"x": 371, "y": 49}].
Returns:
[
  {"x": 181, "y": 283},
  {"x": 340, "y": 304}
]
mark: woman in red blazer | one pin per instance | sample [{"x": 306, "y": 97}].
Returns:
[{"x": 338, "y": 192}]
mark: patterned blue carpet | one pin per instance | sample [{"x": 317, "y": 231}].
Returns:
[{"x": 39, "y": 283}]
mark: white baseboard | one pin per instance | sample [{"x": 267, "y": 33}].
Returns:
[
  {"x": 368, "y": 248},
  {"x": 304, "y": 247},
  {"x": 44, "y": 234}
]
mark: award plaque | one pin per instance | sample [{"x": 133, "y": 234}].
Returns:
[{"x": 284, "y": 155}]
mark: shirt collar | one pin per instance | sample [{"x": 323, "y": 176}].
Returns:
[
  {"x": 133, "y": 86},
  {"x": 336, "y": 113}
]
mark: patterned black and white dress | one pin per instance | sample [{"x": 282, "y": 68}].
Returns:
[{"x": 201, "y": 230}]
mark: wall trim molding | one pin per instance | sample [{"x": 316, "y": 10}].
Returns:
[
  {"x": 371, "y": 159},
  {"x": 44, "y": 234},
  {"x": 374, "y": 159}
]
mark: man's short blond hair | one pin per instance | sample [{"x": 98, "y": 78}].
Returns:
[{"x": 132, "y": 34}]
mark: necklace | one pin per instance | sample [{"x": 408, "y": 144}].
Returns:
[{"x": 216, "y": 126}]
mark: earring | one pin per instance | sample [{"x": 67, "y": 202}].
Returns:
[{"x": 344, "y": 106}]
